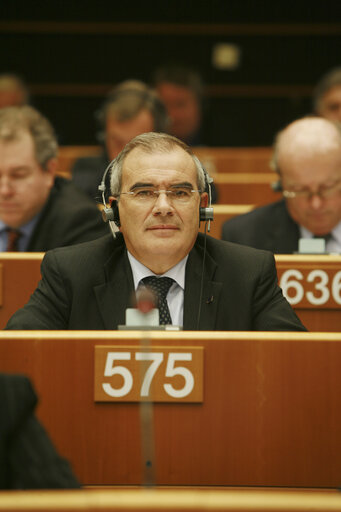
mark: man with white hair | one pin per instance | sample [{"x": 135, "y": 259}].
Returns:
[{"x": 307, "y": 157}]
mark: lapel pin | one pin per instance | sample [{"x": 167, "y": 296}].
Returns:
[{"x": 209, "y": 300}]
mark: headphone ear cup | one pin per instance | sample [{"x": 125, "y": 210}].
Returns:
[
  {"x": 112, "y": 214},
  {"x": 116, "y": 214}
]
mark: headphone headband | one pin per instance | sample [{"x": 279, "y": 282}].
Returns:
[{"x": 111, "y": 214}]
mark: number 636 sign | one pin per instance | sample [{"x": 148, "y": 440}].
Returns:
[
  {"x": 159, "y": 374},
  {"x": 311, "y": 287}
]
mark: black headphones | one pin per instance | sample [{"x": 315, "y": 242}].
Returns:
[{"x": 112, "y": 214}]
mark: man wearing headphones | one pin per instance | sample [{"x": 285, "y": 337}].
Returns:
[
  {"x": 202, "y": 283},
  {"x": 38, "y": 210},
  {"x": 307, "y": 157},
  {"x": 131, "y": 108}
]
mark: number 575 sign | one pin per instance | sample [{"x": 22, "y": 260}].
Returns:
[{"x": 159, "y": 374}]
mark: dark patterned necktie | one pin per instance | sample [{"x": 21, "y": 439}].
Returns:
[
  {"x": 160, "y": 286},
  {"x": 13, "y": 238}
]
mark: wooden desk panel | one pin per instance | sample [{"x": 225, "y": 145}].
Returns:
[
  {"x": 67, "y": 155},
  {"x": 312, "y": 285},
  {"x": 271, "y": 413},
  {"x": 229, "y": 159},
  {"x": 179, "y": 500},
  {"x": 246, "y": 188},
  {"x": 19, "y": 276}
]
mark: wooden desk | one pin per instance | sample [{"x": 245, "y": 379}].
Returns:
[
  {"x": 312, "y": 285},
  {"x": 271, "y": 414},
  {"x": 246, "y": 188},
  {"x": 19, "y": 276},
  {"x": 67, "y": 155},
  {"x": 229, "y": 159},
  {"x": 177, "y": 500}
]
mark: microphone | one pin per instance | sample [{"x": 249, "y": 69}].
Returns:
[{"x": 145, "y": 314}]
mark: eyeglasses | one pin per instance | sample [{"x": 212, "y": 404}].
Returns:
[
  {"x": 323, "y": 192},
  {"x": 149, "y": 195}
]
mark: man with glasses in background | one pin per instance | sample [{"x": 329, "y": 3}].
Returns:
[
  {"x": 307, "y": 157},
  {"x": 157, "y": 193}
]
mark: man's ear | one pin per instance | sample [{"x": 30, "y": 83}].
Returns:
[{"x": 51, "y": 170}]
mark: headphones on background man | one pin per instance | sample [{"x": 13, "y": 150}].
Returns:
[{"x": 111, "y": 214}]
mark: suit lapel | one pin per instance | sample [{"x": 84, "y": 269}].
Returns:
[
  {"x": 196, "y": 305},
  {"x": 115, "y": 294}
]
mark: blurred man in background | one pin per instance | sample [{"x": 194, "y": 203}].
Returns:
[
  {"x": 13, "y": 91},
  {"x": 38, "y": 210},
  {"x": 131, "y": 108},
  {"x": 181, "y": 90},
  {"x": 307, "y": 157},
  {"x": 327, "y": 96}
]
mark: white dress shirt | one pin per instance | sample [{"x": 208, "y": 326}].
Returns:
[{"x": 334, "y": 243}]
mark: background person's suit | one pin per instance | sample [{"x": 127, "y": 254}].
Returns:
[
  {"x": 269, "y": 228},
  {"x": 28, "y": 459},
  {"x": 87, "y": 173},
  {"x": 69, "y": 217},
  {"x": 89, "y": 286}
]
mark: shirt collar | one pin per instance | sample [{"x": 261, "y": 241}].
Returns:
[
  {"x": 140, "y": 271},
  {"x": 25, "y": 229},
  {"x": 336, "y": 232}
]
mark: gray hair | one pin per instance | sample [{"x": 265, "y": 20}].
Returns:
[
  {"x": 14, "y": 121},
  {"x": 150, "y": 143}
]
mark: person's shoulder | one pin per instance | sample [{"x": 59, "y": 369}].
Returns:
[
  {"x": 231, "y": 250},
  {"x": 93, "y": 251},
  {"x": 73, "y": 199},
  {"x": 17, "y": 396},
  {"x": 92, "y": 162},
  {"x": 258, "y": 214}
]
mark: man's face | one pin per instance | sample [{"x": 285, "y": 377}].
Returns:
[
  {"x": 183, "y": 109},
  {"x": 161, "y": 233},
  {"x": 330, "y": 106},
  {"x": 24, "y": 185},
  {"x": 310, "y": 174},
  {"x": 119, "y": 133}
]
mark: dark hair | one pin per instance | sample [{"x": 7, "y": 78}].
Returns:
[
  {"x": 127, "y": 99},
  {"x": 180, "y": 75},
  {"x": 329, "y": 80}
]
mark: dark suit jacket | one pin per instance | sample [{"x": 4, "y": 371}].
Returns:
[
  {"x": 87, "y": 174},
  {"x": 89, "y": 286},
  {"x": 270, "y": 228},
  {"x": 28, "y": 459},
  {"x": 69, "y": 217}
]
